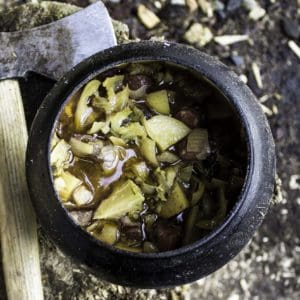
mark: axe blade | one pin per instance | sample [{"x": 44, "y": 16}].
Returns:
[{"x": 55, "y": 48}]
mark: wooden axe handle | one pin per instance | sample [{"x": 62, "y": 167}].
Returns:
[{"x": 19, "y": 242}]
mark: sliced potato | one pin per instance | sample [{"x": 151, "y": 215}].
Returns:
[
  {"x": 109, "y": 234},
  {"x": 165, "y": 179},
  {"x": 168, "y": 157},
  {"x": 80, "y": 148},
  {"x": 59, "y": 157},
  {"x": 159, "y": 101},
  {"x": 171, "y": 173},
  {"x": 148, "y": 189},
  {"x": 99, "y": 126},
  {"x": 111, "y": 84},
  {"x": 118, "y": 119},
  {"x": 166, "y": 131},
  {"x": 125, "y": 198},
  {"x": 82, "y": 195},
  {"x": 176, "y": 202},
  {"x": 117, "y": 141},
  {"x": 65, "y": 185},
  {"x": 140, "y": 170},
  {"x": 148, "y": 149},
  {"x": 84, "y": 114},
  {"x": 132, "y": 131}
]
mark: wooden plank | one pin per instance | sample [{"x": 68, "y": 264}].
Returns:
[{"x": 19, "y": 242}]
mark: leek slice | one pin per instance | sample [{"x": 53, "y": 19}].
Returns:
[{"x": 84, "y": 114}]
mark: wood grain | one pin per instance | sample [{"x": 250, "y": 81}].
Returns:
[{"x": 19, "y": 243}]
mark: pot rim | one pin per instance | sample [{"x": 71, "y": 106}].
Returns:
[{"x": 204, "y": 65}]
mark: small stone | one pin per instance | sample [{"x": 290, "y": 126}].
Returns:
[
  {"x": 218, "y": 5},
  {"x": 294, "y": 183},
  {"x": 256, "y": 12},
  {"x": 237, "y": 60},
  {"x": 291, "y": 28},
  {"x": 178, "y": 2},
  {"x": 244, "y": 78},
  {"x": 198, "y": 35},
  {"x": 147, "y": 17},
  {"x": 157, "y": 4},
  {"x": 233, "y": 5}
]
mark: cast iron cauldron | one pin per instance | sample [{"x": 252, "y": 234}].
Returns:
[{"x": 173, "y": 267}]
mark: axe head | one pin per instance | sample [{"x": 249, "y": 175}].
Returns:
[{"x": 55, "y": 48}]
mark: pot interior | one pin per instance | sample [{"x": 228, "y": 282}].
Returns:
[{"x": 222, "y": 169}]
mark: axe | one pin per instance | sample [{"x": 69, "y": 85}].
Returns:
[{"x": 50, "y": 50}]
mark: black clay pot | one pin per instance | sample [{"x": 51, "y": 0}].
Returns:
[{"x": 173, "y": 267}]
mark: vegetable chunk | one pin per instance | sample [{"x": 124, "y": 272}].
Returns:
[
  {"x": 166, "y": 131},
  {"x": 148, "y": 149},
  {"x": 65, "y": 185},
  {"x": 125, "y": 198},
  {"x": 159, "y": 101},
  {"x": 109, "y": 233},
  {"x": 84, "y": 114},
  {"x": 176, "y": 203}
]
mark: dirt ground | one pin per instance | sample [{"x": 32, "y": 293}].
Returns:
[{"x": 269, "y": 267}]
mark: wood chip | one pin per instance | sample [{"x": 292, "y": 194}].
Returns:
[
  {"x": 264, "y": 98},
  {"x": 257, "y": 76},
  {"x": 266, "y": 110},
  {"x": 147, "y": 17},
  {"x": 225, "y": 40},
  {"x": 275, "y": 109},
  {"x": 178, "y": 2},
  {"x": 206, "y": 7},
  {"x": 294, "y": 47},
  {"x": 192, "y": 5}
]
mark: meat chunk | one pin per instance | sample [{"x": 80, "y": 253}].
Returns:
[
  {"x": 167, "y": 235},
  {"x": 188, "y": 117}
]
